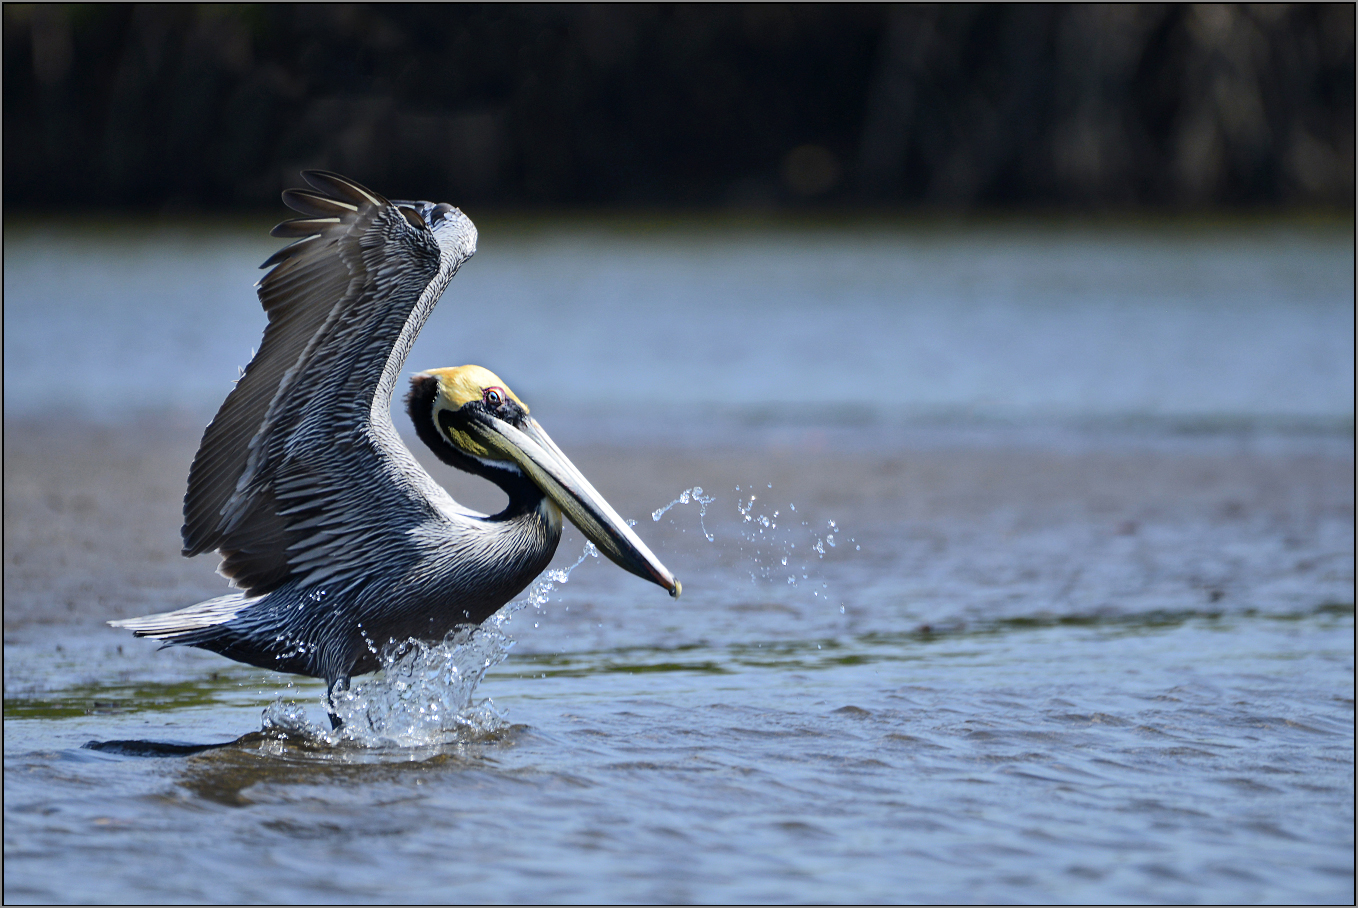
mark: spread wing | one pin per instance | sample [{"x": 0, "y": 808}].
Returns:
[{"x": 302, "y": 456}]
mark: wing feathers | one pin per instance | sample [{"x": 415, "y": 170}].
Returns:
[
  {"x": 301, "y": 227},
  {"x": 413, "y": 217},
  {"x": 294, "y": 450},
  {"x": 225, "y": 449},
  {"x": 316, "y": 205},
  {"x": 288, "y": 252},
  {"x": 343, "y": 188}
]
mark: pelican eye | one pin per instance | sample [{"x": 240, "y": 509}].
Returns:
[{"x": 493, "y": 397}]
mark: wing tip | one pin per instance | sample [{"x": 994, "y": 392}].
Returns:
[
  {"x": 316, "y": 204},
  {"x": 291, "y": 249},
  {"x": 341, "y": 188}
]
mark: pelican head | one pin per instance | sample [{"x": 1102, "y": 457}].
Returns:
[{"x": 468, "y": 416}]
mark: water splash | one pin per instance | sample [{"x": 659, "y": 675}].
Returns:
[
  {"x": 693, "y": 494},
  {"x": 771, "y": 545},
  {"x": 423, "y": 694}
]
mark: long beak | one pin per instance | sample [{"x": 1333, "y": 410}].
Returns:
[{"x": 542, "y": 461}]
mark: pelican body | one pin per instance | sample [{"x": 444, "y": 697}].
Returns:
[{"x": 338, "y": 541}]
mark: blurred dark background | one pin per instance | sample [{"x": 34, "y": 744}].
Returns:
[{"x": 170, "y": 107}]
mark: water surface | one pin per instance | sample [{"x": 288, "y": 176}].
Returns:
[
  {"x": 1021, "y": 570},
  {"x": 1170, "y": 759},
  {"x": 1016, "y": 322}
]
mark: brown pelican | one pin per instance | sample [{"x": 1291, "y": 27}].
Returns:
[{"x": 338, "y": 541}]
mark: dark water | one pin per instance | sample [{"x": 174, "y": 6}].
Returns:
[{"x": 1049, "y": 596}]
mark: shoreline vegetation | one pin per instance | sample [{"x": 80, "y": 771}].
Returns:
[{"x": 793, "y": 107}]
